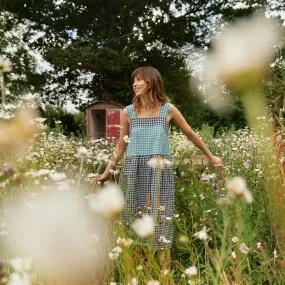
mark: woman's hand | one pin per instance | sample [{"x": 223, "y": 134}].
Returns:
[
  {"x": 101, "y": 178},
  {"x": 217, "y": 163}
]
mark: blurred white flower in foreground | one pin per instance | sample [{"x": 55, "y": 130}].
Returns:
[
  {"x": 56, "y": 233},
  {"x": 21, "y": 264},
  {"x": 191, "y": 271},
  {"x": 237, "y": 189},
  {"x": 236, "y": 186},
  {"x": 109, "y": 201},
  {"x": 16, "y": 132},
  {"x": 239, "y": 58},
  {"x": 19, "y": 279},
  {"x": 144, "y": 227},
  {"x": 159, "y": 162},
  {"x": 5, "y": 65},
  {"x": 21, "y": 267},
  {"x": 202, "y": 235},
  {"x": 243, "y": 51}
]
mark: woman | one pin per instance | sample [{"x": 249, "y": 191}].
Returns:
[{"x": 145, "y": 131}]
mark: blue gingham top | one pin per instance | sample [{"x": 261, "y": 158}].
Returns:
[{"x": 148, "y": 136}]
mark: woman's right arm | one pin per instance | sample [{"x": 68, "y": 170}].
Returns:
[{"x": 121, "y": 145}]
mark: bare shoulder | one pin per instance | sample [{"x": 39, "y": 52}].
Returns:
[
  {"x": 172, "y": 111},
  {"x": 171, "y": 107},
  {"x": 178, "y": 119},
  {"x": 125, "y": 112},
  {"x": 125, "y": 115}
]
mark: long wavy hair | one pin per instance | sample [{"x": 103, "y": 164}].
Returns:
[{"x": 154, "y": 93}]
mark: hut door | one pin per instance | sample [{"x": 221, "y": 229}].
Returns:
[{"x": 113, "y": 122}]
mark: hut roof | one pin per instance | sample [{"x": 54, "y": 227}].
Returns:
[{"x": 104, "y": 102}]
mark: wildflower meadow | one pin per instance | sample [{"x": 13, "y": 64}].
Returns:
[{"x": 59, "y": 225}]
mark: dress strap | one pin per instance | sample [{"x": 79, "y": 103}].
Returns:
[
  {"x": 164, "y": 110},
  {"x": 131, "y": 111}
]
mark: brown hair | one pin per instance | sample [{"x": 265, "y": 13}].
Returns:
[{"x": 154, "y": 95}]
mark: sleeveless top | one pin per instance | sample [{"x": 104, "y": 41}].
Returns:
[{"x": 148, "y": 136}]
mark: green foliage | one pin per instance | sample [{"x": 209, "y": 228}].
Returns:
[
  {"x": 94, "y": 46},
  {"x": 59, "y": 117},
  {"x": 274, "y": 88},
  {"x": 236, "y": 119},
  {"x": 196, "y": 203},
  {"x": 25, "y": 77}
]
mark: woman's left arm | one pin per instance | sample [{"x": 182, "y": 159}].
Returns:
[{"x": 180, "y": 122}]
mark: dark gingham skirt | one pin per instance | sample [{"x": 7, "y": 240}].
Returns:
[{"x": 144, "y": 188}]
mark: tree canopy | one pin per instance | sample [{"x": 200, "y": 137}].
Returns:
[{"x": 94, "y": 45}]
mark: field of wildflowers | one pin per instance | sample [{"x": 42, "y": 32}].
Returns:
[
  {"x": 56, "y": 226},
  {"x": 59, "y": 226}
]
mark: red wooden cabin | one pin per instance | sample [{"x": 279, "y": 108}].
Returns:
[{"x": 104, "y": 120}]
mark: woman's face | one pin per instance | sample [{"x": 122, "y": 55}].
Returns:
[{"x": 139, "y": 85}]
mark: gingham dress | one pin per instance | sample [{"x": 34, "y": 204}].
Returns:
[{"x": 149, "y": 138}]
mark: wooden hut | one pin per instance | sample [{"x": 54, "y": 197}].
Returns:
[{"x": 104, "y": 120}]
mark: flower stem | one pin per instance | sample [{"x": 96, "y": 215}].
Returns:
[
  {"x": 255, "y": 104},
  {"x": 2, "y": 83},
  {"x": 80, "y": 172},
  {"x": 239, "y": 235}
]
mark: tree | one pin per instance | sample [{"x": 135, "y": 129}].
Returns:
[
  {"x": 58, "y": 117},
  {"x": 24, "y": 77},
  {"x": 94, "y": 45}
]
